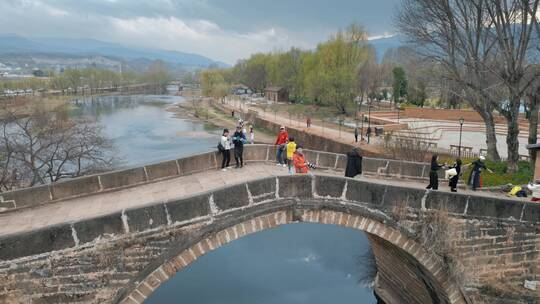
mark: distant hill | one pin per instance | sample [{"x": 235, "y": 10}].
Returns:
[
  {"x": 10, "y": 44},
  {"x": 382, "y": 45}
]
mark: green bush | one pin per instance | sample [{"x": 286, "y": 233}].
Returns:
[{"x": 500, "y": 175}]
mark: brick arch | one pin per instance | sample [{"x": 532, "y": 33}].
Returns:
[{"x": 373, "y": 228}]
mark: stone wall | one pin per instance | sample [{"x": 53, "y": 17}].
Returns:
[
  {"x": 127, "y": 255},
  {"x": 132, "y": 177}
]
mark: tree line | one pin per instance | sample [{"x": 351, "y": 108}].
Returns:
[
  {"x": 339, "y": 71},
  {"x": 482, "y": 53},
  {"x": 91, "y": 79}
]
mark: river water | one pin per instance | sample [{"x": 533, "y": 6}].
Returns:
[{"x": 299, "y": 263}]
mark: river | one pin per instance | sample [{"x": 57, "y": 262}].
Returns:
[{"x": 299, "y": 263}]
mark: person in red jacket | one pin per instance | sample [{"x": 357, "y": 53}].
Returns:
[
  {"x": 299, "y": 160},
  {"x": 281, "y": 141}
]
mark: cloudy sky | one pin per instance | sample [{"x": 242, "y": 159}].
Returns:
[{"x": 223, "y": 30}]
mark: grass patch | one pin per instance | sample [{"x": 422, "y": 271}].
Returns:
[{"x": 500, "y": 175}]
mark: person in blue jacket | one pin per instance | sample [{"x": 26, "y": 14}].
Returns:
[{"x": 239, "y": 139}]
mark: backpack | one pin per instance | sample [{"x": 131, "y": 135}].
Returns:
[{"x": 220, "y": 147}]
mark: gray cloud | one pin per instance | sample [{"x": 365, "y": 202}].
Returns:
[{"x": 222, "y": 30}]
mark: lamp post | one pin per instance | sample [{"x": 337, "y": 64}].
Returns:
[
  {"x": 398, "y": 108},
  {"x": 362, "y": 128},
  {"x": 461, "y": 121},
  {"x": 341, "y": 119},
  {"x": 369, "y": 121}
]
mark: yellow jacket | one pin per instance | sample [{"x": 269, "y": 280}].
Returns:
[{"x": 291, "y": 148}]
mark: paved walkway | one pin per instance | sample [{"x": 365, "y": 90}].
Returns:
[{"x": 171, "y": 189}]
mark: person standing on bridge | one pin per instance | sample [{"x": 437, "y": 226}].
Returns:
[
  {"x": 354, "y": 163},
  {"x": 299, "y": 160},
  {"x": 454, "y": 178},
  {"x": 433, "y": 176},
  {"x": 225, "y": 148},
  {"x": 478, "y": 166},
  {"x": 281, "y": 141},
  {"x": 291, "y": 148},
  {"x": 251, "y": 134},
  {"x": 239, "y": 139}
]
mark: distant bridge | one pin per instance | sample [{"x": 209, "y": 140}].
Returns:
[{"x": 116, "y": 237}]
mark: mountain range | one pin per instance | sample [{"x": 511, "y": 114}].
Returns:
[{"x": 12, "y": 44}]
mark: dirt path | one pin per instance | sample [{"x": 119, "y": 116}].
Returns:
[{"x": 216, "y": 117}]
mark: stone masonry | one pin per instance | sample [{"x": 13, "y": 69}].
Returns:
[{"x": 430, "y": 247}]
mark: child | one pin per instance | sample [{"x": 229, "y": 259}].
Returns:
[
  {"x": 299, "y": 161},
  {"x": 291, "y": 148}
]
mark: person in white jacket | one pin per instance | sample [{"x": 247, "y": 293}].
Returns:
[
  {"x": 225, "y": 143},
  {"x": 535, "y": 188}
]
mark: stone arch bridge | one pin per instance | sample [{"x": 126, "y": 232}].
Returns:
[{"x": 116, "y": 237}]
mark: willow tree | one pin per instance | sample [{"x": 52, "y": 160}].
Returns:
[
  {"x": 213, "y": 84},
  {"x": 337, "y": 62}
]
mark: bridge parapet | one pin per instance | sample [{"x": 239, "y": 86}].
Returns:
[
  {"x": 142, "y": 242},
  {"x": 130, "y": 177}
]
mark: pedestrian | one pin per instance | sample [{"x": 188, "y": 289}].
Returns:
[
  {"x": 224, "y": 147},
  {"x": 239, "y": 139},
  {"x": 354, "y": 163},
  {"x": 299, "y": 160},
  {"x": 454, "y": 177},
  {"x": 232, "y": 113},
  {"x": 356, "y": 134},
  {"x": 251, "y": 135},
  {"x": 433, "y": 176},
  {"x": 478, "y": 166},
  {"x": 281, "y": 140},
  {"x": 308, "y": 122},
  {"x": 291, "y": 148},
  {"x": 368, "y": 134},
  {"x": 535, "y": 188}
]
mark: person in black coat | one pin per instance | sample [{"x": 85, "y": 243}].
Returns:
[
  {"x": 239, "y": 139},
  {"x": 433, "y": 176},
  {"x": 354, "y": 163},
  {"x": 454, "y": 179},
  {"x": 478, "y": 167}
]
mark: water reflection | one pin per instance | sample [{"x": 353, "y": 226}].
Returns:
[
  {"x": 143, "y": 131},
  {"x": 298, "y": 263}
]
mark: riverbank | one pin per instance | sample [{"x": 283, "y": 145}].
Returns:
[{"x": 203, "y": 109}]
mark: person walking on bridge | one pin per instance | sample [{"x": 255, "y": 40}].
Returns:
[
  {"x": 281, "y": 140},
  {"x": 239, "y": 139},
  {"x": 433, "y": 176}
]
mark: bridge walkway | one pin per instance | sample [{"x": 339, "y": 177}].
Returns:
[{"x": 103, "y": 203}]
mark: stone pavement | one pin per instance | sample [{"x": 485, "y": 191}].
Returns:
[{"x": 76, "y": 209}]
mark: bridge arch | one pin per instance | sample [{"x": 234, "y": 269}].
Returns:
[{"x": 324, "y": 206}]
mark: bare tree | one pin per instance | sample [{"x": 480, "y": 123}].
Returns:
[
  {"x": 512, "y": 30},
  {"x": 532, "y": 106},
  {"x": 43, "y": 147},
  {"x": 482, "y": 46},
  {"x": 452, "y": 34}
]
